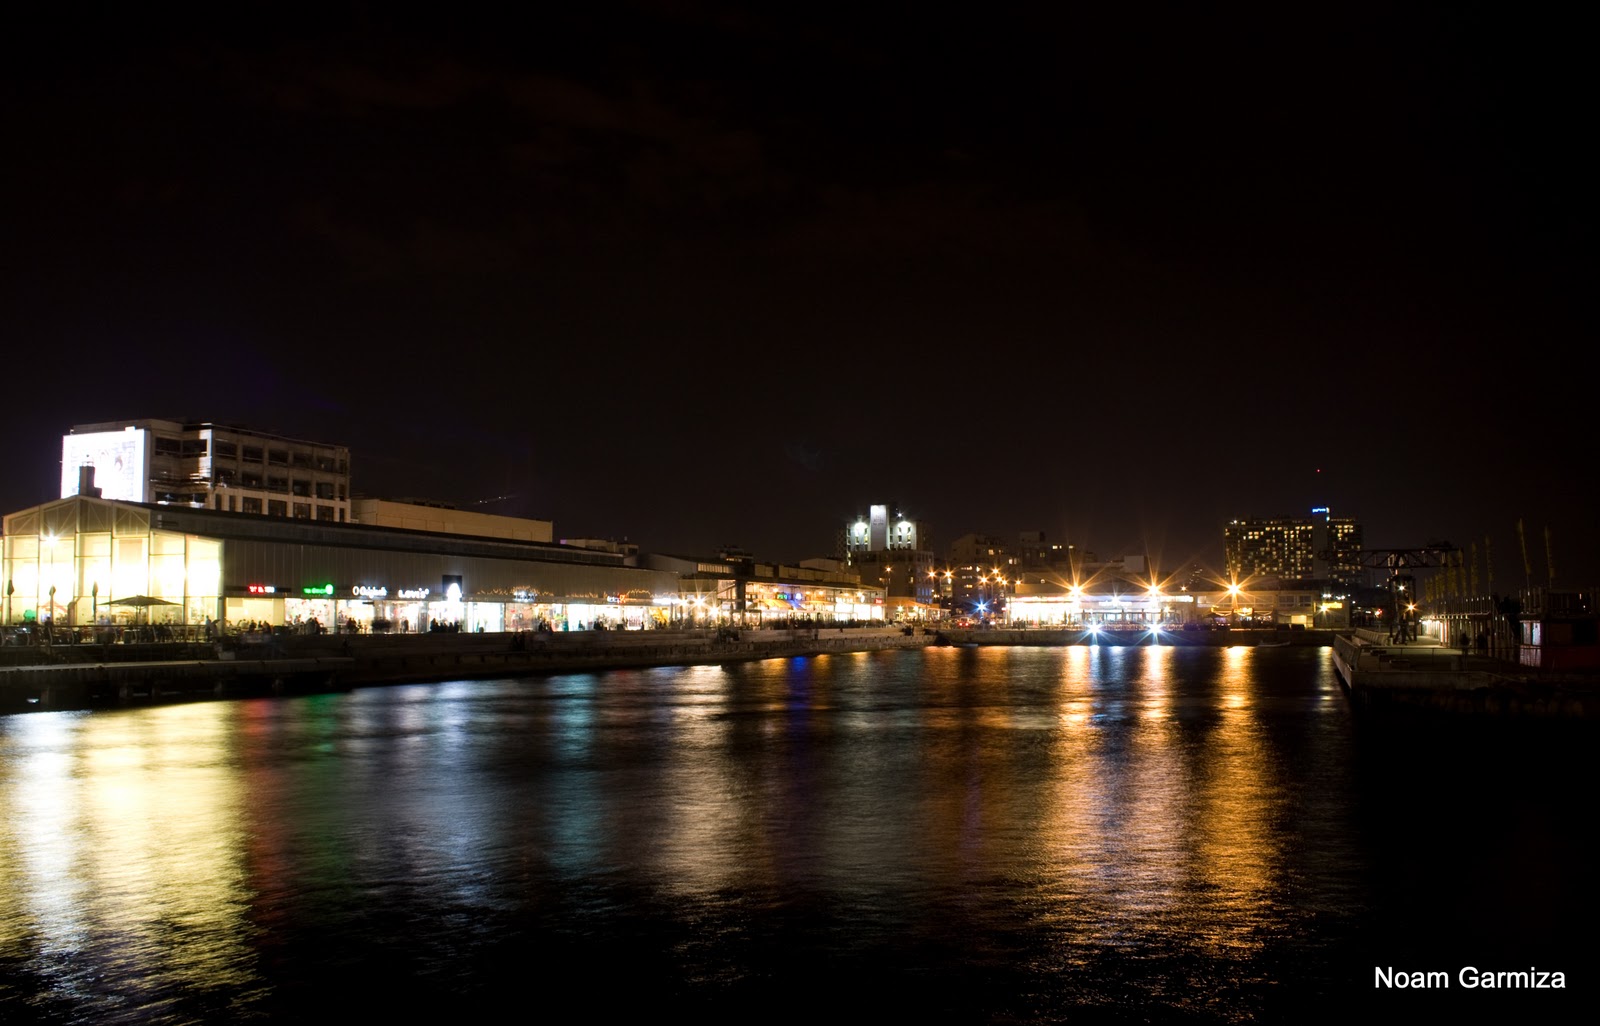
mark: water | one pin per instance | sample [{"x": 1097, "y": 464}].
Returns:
[{"x": 1001, "y": 835}]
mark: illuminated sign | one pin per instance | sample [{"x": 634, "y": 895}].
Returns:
[
  {"x": 318, "y": 589},
  {"x": 1319, "y": 509},
  {"x": 412, "y": 593},
  {"x": 261, "y": 589},
  {"x": 372, "y": 593}
]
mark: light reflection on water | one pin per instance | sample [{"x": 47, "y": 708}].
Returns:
[{"x": 1011, "y": 834}]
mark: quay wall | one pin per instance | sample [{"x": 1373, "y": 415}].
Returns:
[
  {"x": 423, "y": 657},
  {"x": 1444, "y": 680},
  {"x": 86, "y": 676}
]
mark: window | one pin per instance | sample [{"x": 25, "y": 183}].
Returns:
[
  {"x": 167, "y": 447},
  {"x": 252, "y": 454},
  {"x": 225, "y": 450},
  {"x": 277, "y": 484},
  {"x": 300, "y": 487},
  {"x": 278, "y": 457},
  {"x": 324, "y": 512},
  {"x": 277, "y": 508},
  {"x": 250, "y": 479},
  {"x": 324, "y": 489},
  {"x": 249, "y": 505},
  {"x": 302, "y": 511},
  {"x": 194, "y": 446}
]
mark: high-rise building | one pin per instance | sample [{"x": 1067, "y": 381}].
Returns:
[
  {"x": 1320, "y": 547},
  {"x": 1338, "y": 542},
  {"x": 890, "y": 550},
  {"x": 884, "y": 528},
  {"x": 209, "y": 466},
  {"x": 1282, "y": 547}
]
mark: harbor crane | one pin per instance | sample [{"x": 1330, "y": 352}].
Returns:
[{"x": 1401, "y": 565}]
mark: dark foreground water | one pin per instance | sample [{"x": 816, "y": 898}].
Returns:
[{"x": 978, "y": 835}]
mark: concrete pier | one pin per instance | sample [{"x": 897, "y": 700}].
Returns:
[{"x": 1424, "y": 676}]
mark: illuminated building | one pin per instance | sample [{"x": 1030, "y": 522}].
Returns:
[
  {"x": 884, "y": 529},
  {"x": 1338, "y": 543},
  {"x": 890, "y": 552},
  {"x": 83, "y": 560},
  {"x": 744, "y": 591},
  {"x": 1282, "y": 547},
  {"x": 1318, "y": 547},
  {"x": 209, "y": 466},
  {"x": 979, "y": 575}
]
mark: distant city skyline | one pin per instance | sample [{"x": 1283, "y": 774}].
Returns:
[{"x": 208, "y": 457}]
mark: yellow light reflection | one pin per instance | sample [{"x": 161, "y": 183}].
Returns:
[{"x": 133, "y": 825}]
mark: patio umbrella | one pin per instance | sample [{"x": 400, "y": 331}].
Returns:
[{"x": 140, "y": 602}]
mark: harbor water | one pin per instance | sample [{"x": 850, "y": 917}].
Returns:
[{"x": 994, "y": 835}]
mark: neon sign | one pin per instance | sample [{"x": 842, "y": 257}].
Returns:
[
  {"x": 372, "y": 593},
  {"x": 318, "y": 589}
]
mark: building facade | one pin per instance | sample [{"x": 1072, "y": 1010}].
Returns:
[
  {"x": 209, "y": 466},
  {"x": 83, "y": 561},
  {"x": 890, "y": 551},
  {"x": 1338, "y": 542},
  {"x": 1282, "y": 547}
]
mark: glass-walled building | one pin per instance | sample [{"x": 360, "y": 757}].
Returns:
[
  {"x": 84, "y": 560},
  {"x": 79, "y": 561}
]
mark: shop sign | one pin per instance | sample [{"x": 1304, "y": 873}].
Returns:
[
  {"x": 261, "y": 589},
  {"x": 412, "y": 593},
  {"x": 365, "y": 591},
  {"x": 317, "y": 589}
]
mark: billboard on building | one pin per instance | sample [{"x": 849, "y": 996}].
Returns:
[{"x": 121, "y": 462}]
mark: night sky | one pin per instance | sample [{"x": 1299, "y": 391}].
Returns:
[{"x": 700, "y": 275}]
